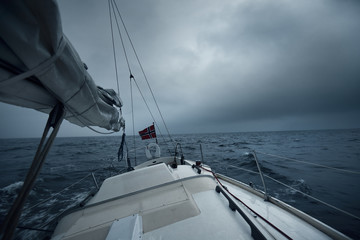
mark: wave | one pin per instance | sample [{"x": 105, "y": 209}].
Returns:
[
  {"x": 64, "y": 145},
  {"x": 7, "y": 197},
  {"x": 190, "y": 147},
  {"x": 293, "y": 194},
  {"x": 248, "y": 154},
  {"x": 247, "y": 162},
  {"x": 12, "y": 189},
  {"x": 235, "y": 144},
  {"x": 63, "y": 168},
  {"x": 301, "y": 185},
  {"x": 21, "y": 148},
  {"x": 221, "y": 151}
]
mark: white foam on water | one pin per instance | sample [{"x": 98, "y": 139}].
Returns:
[{"x": 12, "y": 188}]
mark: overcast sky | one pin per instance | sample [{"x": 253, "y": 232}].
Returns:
[{"x": 220, "y": 66}]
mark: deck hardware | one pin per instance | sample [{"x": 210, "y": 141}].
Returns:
[
  {"x": 266, "y": 196},
  {"x": 96, "y": 184},
  {"x": 182, "y": 161},
  {"x": 197, "y": 167},
  {"x": 201, "y": 151},
  {"x": 88, "y": 197},
  {"x": 255, "y": 232}
]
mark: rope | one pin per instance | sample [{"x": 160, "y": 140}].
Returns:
[
  {"x": 257, "y": 214},
  {"x": 309, "y": 163},
  {"x": 94, "y": 130},
  {"x": 41, "y": 67},
  {"x": 91, "y": 128}
]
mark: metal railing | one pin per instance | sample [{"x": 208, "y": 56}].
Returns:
[{"x": 267, "y": 195}]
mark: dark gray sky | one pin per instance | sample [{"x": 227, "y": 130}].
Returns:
[{"x": 242, "y": 65}]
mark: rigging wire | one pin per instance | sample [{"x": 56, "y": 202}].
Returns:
[
  {"x": 131, "y": 76},
  {"x": 58, "y": 193},
  {"x": 114, "y": 5},
  {"x": 117, "y": 79},
  {"x": 114, "y": 50},
  {"x": 309, "y": 163},
  {"x": 316, "y": 199},
  {"x": 121, "y": 38},
  {"x": 66, "y": 188},
  {"x": 147, "y": 106},
  {"x": 294, "y": 189},
  {"x": 133, "y": 121},
  {"x": 142, "y": 70}
]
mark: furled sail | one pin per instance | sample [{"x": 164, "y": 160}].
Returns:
[{"x": 39, "y": 67}]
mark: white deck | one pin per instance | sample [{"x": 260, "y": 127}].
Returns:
[{"x": 159, "y": 202}]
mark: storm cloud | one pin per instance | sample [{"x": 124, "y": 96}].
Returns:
[{"x": 226, "y": 65}]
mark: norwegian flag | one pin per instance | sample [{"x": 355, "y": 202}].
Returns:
[{"x": 148, "y": 133}]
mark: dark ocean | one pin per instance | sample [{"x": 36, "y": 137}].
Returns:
[{"x": 71, "y": 160}]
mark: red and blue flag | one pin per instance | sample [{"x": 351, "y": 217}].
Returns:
[{"x": 148, "y": 133}]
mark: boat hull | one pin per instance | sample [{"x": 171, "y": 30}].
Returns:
[{"x": 163, "y": 200}]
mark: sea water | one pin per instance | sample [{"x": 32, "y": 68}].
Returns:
[{"x": 65, "y": 179}]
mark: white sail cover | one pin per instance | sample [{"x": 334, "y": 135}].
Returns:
[{"x": 39, "y": 67}]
